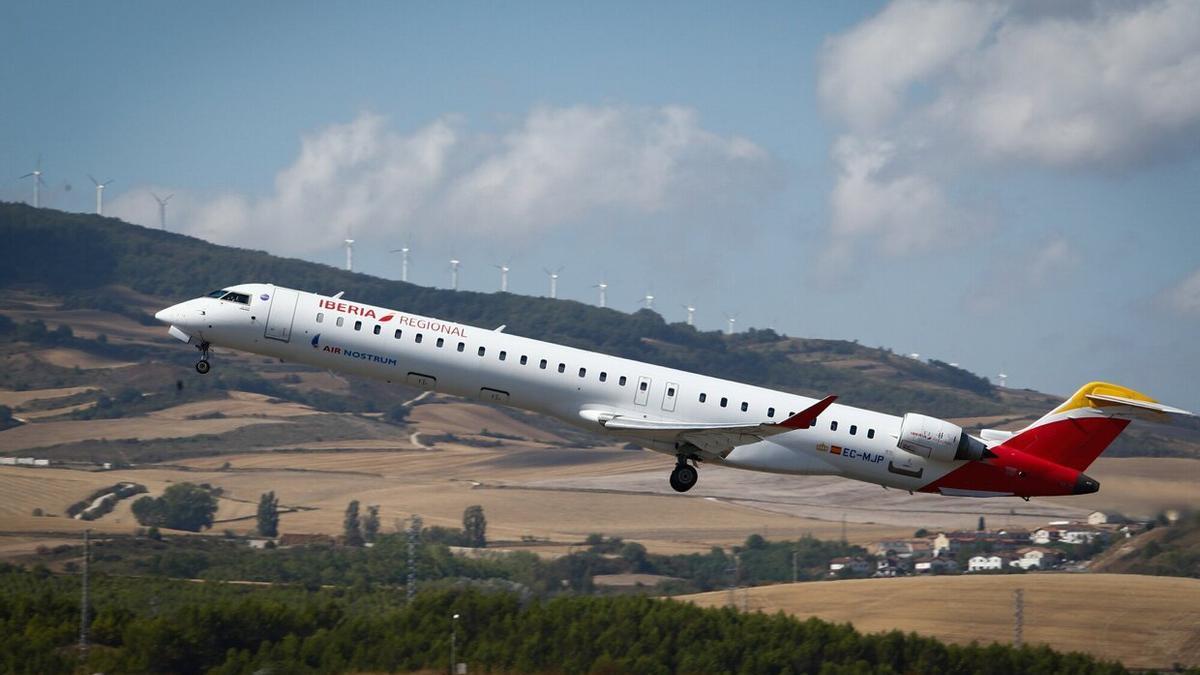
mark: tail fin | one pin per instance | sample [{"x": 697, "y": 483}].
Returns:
[{"x": 1076, "y": 432}]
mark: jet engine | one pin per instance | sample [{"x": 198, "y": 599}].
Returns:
[{"x": 937, "y": 439}]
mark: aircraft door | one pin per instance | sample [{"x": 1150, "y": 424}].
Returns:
[
  {"x": 643, "y": 391},
  {"x": 669, "y": 397},
  {"x": 279, "y": 317}
]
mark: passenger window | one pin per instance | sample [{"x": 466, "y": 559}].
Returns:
[
  {"x": 643, "y": 386},
  {"x": 833, "y": 425},
  {"x": 341, "y": 320},
  {"x": 870, "y": 433},
  {"x": 440, "y": 342},
  {"x": 771, "y": 413},
  {"x": 357, "y": 325},
  {"x": 397, "y": 333},
  {"x": 562, "y": 367},
  {"x": 418, "y": 338},
  {"x": 542, "y": 365},
  {"x": 745, "y": 406},
  {"x": 503, "y": 355},
  {"x": 724, "y": 402},
  {"x": 524, "y": 359},
  {"x": 583, "y": 372},
  {"x": 378, "y": 328},
  {"x": 853, "y": 429},
  {"x": 320, "y": 317},
  {"x": 670, "y": 391},
  {"x": 482, "y": 351},
  {"x": 603, "y": 376},
  {"x": 462, "y": 346},
  {"x": 703, "y": 398},
  {"x": 621, "y": 381}
]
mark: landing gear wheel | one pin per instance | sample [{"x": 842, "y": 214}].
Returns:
[
  {"x": 683, "y": 477},
  {"x": 202, "y": 366}
]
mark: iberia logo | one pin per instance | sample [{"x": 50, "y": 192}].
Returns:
[{"x": 386, "y": 318}]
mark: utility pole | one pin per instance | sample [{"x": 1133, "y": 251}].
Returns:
[
  {"x": 453, "y": 645},
  {"x": 414, "y": 535},
  {"x": 795, "y": 566},
  {"x": 84, "y": 600},
  {"x": 1018, "y": 617}
]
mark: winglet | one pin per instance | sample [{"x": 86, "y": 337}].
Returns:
[{"x": 807, "y": 417}]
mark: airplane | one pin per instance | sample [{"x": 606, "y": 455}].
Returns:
[{"x": 694, "y": 418}]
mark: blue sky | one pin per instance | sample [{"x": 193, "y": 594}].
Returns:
[{"x": 1009, "y": 186}]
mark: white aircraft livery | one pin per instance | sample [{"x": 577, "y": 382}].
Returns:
[{"x": 694, "y": 418}]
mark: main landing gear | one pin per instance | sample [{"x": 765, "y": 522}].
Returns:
[
  {"x": 684, "y": 476},
  {"x": 202, "y": 365}
]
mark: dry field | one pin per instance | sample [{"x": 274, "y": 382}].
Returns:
[
  {"x": 239, "y": 410},
  {"x": 1141, "y": 485},
  {"x": 1145, "y": 622},
  {"x": 16, "y": 399}
]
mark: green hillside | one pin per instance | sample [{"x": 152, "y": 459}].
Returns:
[
  {"x": 71, "y": 255},
  {"x": 87, "y": 262}
]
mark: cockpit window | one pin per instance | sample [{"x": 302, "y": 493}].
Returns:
[
  {"x": 237, "y": 297},
  {"x": 217, "y": 293}
]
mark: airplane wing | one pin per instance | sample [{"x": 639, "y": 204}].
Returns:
[{"x": 716, "y": 438}]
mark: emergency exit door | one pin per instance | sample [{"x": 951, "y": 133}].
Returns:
[{"x": 643, "y": 391}]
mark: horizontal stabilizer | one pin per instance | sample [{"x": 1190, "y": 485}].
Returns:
[{"x": 1108, "y": 401}]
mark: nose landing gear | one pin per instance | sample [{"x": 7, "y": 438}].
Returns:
[
  {"x": 684, "y": 476},
  {"x": 202, "y": 366}
]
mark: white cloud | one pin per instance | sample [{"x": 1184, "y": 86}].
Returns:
[
  {"x": 559, "y": 165},
  {"x": 1184, "y": 297},
  {"x": 951, "y": 86}
]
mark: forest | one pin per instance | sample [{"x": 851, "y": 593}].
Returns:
[{"x": 148, "y": 625}]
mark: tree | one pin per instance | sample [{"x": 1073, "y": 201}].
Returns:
[
  {"x": 268, "y": 514},
  {"x": 148, "y": 511},
  {"x": 183, "y": 506},
  {"x": 351, "y": 527},
  {"x": 475, "y": 526},
  {"x": 370, "y": 526},
  {"x": 6, "y": 418}
]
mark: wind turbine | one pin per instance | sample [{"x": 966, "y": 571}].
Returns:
[
  {"x": 349, "y": 244},
  {"x": 37, "y": 183},
  {"x": 403, "y": 251},
  {"x": 162, "y": 209},
  {"x": 1003, "y": 380},
  {"x": 603, "y": 286},
  {"x": 731, "y": 319},
  {"x": 454, "y": 263},
  {"x": 503, "y": 277},
  {"x": 649, "y": 300},
  {"x": 691, "y": 310},
  {"x": 100, "y": 193},
  {"x": 554, "y": 281}
]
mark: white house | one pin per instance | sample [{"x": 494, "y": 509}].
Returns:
[
  {"x": 1035, "y": 558},
  {"x": 985, "y": 563},
  {"x": 1045, "y": 535},
  {"x": 1080, "y": 535},
  {"x": 1103, "y": 518},
  {"x": 935, "y": 566}
]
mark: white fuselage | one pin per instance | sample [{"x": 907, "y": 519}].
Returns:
[{"x": 574, "y": 385}]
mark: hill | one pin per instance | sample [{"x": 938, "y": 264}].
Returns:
[
  {"x": 1145, "y": 622},
  {"x": 80, "y": 290},
  {"x": 1167, "y": 550}
]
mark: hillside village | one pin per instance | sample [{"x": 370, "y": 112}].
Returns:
[{"x": 1059, "y": 545}]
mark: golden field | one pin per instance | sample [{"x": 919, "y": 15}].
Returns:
[{"x": 1144, "y": 622}]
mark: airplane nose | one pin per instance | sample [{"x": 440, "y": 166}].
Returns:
[{"x": 163, "y": 315}]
